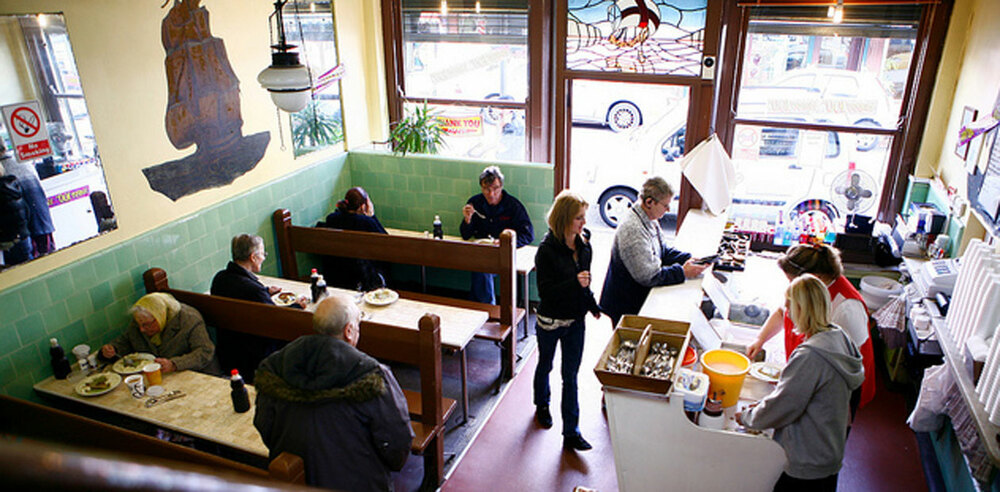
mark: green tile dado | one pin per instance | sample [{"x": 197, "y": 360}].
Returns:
[{"x": 87, "y": 301}]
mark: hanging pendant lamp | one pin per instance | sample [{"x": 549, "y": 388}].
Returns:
[{"x": 286, "y": 79}]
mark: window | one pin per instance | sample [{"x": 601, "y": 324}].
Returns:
[
  {"x": 469, "y": 61},
  {"x": 309, "y": 25},
  {"x": 821, "y": 108}
]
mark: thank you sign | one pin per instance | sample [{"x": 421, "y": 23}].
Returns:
[{"x": 26, "y": 128}]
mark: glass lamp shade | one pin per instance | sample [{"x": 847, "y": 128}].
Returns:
[{"x": 289, "y": 86}]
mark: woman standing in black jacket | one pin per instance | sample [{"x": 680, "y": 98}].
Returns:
[{"x": 563, "y": 269}]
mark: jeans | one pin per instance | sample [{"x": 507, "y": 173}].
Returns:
[
  {"x": 482, "y": 287},
  {"x": 571, "y": 338}
]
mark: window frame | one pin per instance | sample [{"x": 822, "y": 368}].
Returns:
[
  {"x": 907, "y": 135},
  {"x": 537, "y": 105}
]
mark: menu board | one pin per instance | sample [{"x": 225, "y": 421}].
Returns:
[{"x": 984, "y": 182}]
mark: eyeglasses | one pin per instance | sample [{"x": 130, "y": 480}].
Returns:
[{"x": 491, "y": 188}]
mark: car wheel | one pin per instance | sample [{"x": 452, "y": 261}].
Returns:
[
  {"x": 623, "y": 116},
  {"x": 867, "y": 141},
  {"x": 614, "y": 203}
]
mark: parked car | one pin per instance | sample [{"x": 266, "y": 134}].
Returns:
[
  {"x": 840, "y": 97},
  {"x": 622, "y": 106}
]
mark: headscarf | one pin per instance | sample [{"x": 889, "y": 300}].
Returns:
[{"x": 162, "y": 307}]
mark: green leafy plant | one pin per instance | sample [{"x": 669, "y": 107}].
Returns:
[
  {"x": 314, "y": 128},
  {"x": 419, "y": 131}
]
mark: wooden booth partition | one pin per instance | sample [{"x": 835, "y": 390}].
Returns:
[
  {"x": 420, "y": 347},
  {"x": 498, "y": 259}
]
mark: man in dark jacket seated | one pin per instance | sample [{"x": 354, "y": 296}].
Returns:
[
  {"x": 238, "y": 281},
  {"x": 339, "y": 409},
  {"x": 485, "y": 216}
]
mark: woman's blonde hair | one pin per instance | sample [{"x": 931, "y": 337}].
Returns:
[
  {"x": 818, "y": 259},
  {"x": 563, "y": 211},
  {"x": 808, "y": 305}
]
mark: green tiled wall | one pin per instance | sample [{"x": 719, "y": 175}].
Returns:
[
  {"x": 409, "y": 191},
  {"x": 87, "y": 301}
]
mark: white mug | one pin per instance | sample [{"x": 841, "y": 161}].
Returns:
[{"x": 136, "y": 385}]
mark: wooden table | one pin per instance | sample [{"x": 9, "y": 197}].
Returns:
[
  {"x": 458, "y": 325},
  {"x": 524, "y": 262},
  {"x": 206, "y": 412}
]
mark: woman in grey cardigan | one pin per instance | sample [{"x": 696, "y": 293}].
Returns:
[{"x": 810, "y": 409}]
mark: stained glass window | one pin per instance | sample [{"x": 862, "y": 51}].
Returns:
[{"x": 639, "y": 36}]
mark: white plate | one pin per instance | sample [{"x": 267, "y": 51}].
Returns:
[
  {"x": 154, "y": 391},
  {"x": 288, "y": 300},
  {"x": 140, "y": 358},
  {"x": 112, "y": 379},
  {"x": 765, "y": 372},
  {"x": 381, "y": 297}
]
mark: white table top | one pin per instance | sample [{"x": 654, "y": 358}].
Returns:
[
  {"x": 458, "y": 325},
  {"x": 524, "y": 257}
]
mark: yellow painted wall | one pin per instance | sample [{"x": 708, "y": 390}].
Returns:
[
  {"x": 969, "y": 75},
  {"x": 121, "y": 63},
  {"x": 15, "y": 78}
]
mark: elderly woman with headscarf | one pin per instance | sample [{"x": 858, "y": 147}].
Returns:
[{"x": 171, "y": 331}]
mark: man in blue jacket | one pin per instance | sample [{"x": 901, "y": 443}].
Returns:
[
  {"x": 487, "y": 215},
  {"x": 640, "y": 258}
]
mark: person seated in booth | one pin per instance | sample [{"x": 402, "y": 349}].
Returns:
[
  {"x": 809, "y": 409},
  {"x": 640, "y": 257},
  {"x": 238, "y": 281},
  {"x": 339, "y": 409},
  {"x": 848, "y": 310},
  {"x": 173, "y": 332},
  {"x": 487, "y": 215},
  {"x": 355, "y": 212}
]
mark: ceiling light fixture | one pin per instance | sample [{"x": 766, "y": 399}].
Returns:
[
  {"x": 286, "y": 79},
  {"x": 838, "y": 13},
  {"x": 479, "y": 8},
  {"x": 444, "y": 7}
]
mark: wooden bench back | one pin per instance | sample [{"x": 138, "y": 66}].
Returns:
[
  {"x": 455, "y": 255},
  {"x": 420, "y": 347},
  {"x": 26, "y": 419}
]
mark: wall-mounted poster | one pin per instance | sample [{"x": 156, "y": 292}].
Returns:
[
  {"x": 203, "y": 109},
  {"x": 968, "y": 116}
]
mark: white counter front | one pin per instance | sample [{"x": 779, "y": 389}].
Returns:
[{"x": 656, "y": 447}]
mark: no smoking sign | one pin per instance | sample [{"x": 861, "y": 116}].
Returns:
[{"x": 26, "y": 128}]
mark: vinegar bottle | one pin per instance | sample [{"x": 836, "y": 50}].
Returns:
[
  {"x": 241, "y": 400},
  {"x": 60, "y": 365}
]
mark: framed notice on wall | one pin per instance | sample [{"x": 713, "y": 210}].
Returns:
[{"x": 968, "y": 116}]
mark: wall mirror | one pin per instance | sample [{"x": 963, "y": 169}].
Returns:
[{"x": 53, "y": 190}]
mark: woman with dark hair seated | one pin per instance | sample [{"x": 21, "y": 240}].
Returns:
[{"x": 355, "y": 212}]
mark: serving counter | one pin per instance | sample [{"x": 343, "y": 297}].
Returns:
[{"x": 656, "y": 447}]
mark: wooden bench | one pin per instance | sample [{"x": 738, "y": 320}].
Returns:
[
  {"x": 456, "y": 255},
  {"x": 420, "y": 347},
  {"x": 29, "y": 420}
]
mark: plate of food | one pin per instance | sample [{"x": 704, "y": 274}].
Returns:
[
  {"x": 381, "y": 297},
  {"x": 132, "y": 363},
  {"x": 284, "y": 298},
  {"x": 765, "y": 371},
  {"x": 98, "y": 384}
]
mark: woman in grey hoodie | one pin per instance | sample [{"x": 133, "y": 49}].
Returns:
[{"x": 809, "y": 410}]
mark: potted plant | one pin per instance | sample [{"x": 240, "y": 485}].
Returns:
[
  {"x": 313, "y": 128},
  {"x": 419, "y": 131}
]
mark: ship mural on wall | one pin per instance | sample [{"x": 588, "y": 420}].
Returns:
[{"x": 203, "y": 109}]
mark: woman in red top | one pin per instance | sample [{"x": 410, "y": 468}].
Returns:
[{"x": 848, "y": 308}]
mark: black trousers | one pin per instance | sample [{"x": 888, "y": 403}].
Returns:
[{"x": 788, "y": 483}]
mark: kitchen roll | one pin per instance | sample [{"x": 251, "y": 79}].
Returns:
[{"x": 711, "y": 173}]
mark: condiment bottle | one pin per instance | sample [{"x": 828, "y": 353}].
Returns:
[
  {"x": 60, "y": 365},
  {"x": 711, "y": 416},
  {"x": 318, "y": 289},
  {"x": 241, "y": 400},
  {"x": 438, "y": 230}
]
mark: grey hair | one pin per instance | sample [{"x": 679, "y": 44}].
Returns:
[
  {"x": 489, "y": 175},
  {"x": 333, "y": 314},
  {"x": 245, "y": 245},
  {"x": 656, "y": 188},
  {"x": 132, "y": 311}
]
